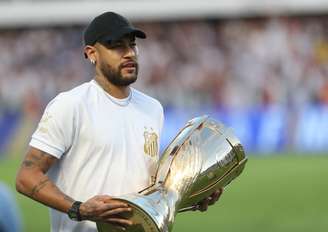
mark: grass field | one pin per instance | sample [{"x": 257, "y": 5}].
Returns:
[{"x": 283, "y": 193}]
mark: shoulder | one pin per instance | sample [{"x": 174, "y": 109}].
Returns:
[
  {"x": 70, "y": 99},
  {"x": 67, "y": 105},
  {"x": 78, "y": 93}
]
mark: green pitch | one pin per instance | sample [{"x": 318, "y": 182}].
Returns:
[{"x": 283, "y": 193}]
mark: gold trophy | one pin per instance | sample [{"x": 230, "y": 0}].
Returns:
[{"x": 203, "y": 157}]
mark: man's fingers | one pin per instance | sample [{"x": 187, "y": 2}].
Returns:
[
  {"x": 212, "y": 200},
  {"x": 115, "y": 211},
  {"x": 114, "y": 205},
  {"x": 120, "y": 221},
  {"x": 203, "y": 205},
  {"x": 215, "y": 197},
  {"x": 103, "y": 197},
  {"x": 105, "y": 207}
]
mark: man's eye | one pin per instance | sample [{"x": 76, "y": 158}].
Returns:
[{"x": 133, "y": 44}]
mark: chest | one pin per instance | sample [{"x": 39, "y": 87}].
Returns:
[{"x": 121, "y": 129}]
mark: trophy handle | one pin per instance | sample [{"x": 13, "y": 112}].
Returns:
[{"x": 190, "y": 208}]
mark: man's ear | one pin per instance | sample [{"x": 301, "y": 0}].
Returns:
[{"x": 90, "y": 53}]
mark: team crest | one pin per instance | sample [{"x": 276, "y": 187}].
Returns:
[{"x": 151, "y": 143}]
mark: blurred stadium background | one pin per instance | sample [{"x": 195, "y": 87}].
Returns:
[{"x": 259, "y": 66}]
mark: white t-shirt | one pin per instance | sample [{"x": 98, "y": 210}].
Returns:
[{"x": 104, "y": 145}]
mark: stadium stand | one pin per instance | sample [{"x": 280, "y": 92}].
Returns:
[
  {"x": 255, "y": 73},
  {"x": 205, "y": 64}
]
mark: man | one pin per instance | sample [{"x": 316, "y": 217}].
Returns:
[{"x": 90, "y": 142}]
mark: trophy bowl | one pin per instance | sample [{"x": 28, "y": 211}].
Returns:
[{"x": 203, "y": 157}]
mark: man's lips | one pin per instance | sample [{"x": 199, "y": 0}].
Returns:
[{"x": 129, "y": 64}]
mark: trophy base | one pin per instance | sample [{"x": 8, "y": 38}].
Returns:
[{"x": 143, "y": 222}]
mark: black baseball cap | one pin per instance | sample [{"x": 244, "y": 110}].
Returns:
[{"x": 108, "y": 27}]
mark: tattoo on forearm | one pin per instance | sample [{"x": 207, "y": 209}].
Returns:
[
  {"x": 39, "y": 186},
  {"x": 51, "y": 187}
]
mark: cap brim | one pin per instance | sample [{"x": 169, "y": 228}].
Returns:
[{"x": 124, "y": 31}]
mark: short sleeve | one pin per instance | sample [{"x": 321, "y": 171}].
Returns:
[{"x": 55, "y": 130}]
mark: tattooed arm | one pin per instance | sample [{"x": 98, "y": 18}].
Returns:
[{"x": 32, "y": 181}]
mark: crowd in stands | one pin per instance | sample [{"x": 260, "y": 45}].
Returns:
[
  {"x": 219, "y": 63},
  {"x": 37, "y": 63},
  {"x": 238, "y": 63}
]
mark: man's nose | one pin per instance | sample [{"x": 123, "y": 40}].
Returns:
[{"x": 131, "y": 52}]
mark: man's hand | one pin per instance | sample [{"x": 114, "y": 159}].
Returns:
[
  {"x": 103, "y": 208},
  {"x": 203, "y": 204}
]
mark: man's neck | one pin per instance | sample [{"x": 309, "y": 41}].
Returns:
[{"x": 113, "y": 90}]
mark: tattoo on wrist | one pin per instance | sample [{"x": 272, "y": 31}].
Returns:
[
  {"x": 65, "y": 197},
  {"x": 68, "y": 198}
]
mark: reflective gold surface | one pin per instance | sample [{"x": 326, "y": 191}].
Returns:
[{"x": 202, "y": 158}]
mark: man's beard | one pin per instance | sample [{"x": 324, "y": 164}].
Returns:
[{"x": 115, "y": 77}]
